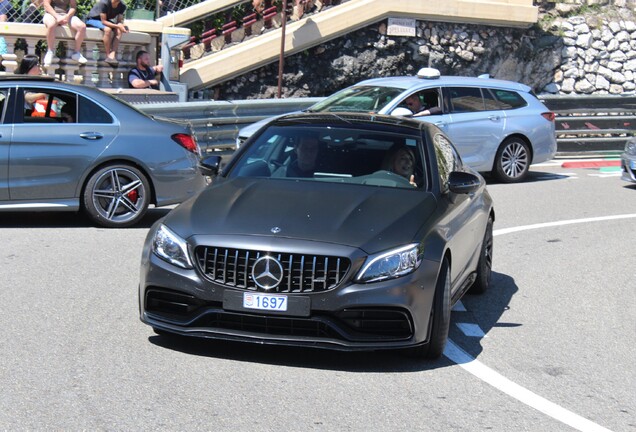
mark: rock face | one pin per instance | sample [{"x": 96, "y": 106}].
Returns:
[{"x": 579, "y": 54}]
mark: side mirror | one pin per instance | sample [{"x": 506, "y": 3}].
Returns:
[
  {"x": 401, "y": 112},
  {"x": 210, "y": 165},
  {"x": 460, "y": 182}
]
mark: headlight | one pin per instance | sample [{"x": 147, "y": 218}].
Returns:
[
  {"x": 391, "y": 264},
  {"x": 630, "y": 147},
  {"x": 170, "y": 247}
]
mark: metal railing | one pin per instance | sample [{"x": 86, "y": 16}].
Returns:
[
  {"x": 217, "y": 123},
  {"x": 593, "y": 123},
  {"x": 589, "y": 123}
]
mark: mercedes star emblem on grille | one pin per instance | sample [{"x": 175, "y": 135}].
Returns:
[
  {"x": 267, "y": 272},
  {"x": 276, "y": 230}
]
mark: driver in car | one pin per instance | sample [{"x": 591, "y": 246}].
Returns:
[
  {"x": 304, "y": 164},
  {"x": 414, "y": 103}
]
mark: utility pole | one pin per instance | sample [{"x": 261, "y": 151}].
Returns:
[{"x": 281, "y": 60}]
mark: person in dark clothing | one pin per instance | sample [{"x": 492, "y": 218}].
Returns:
[
  {"x": 144, "y": 75},
  {"x": 306, "y": 155},
  {"x": 414, "y": 103},
  {"x": 108, "y": 16}
]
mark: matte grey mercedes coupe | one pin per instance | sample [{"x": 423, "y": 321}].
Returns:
[
  {"x": 66, "y": 147},
  {"x": 342, "y": 231}
]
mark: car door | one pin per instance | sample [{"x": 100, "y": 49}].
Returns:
[
  {"x": 462, "y": 220},
  {"x": 474, "y": 126},
  {"x": 5, "y": 140},
  {"x": 55, "y": 140}
]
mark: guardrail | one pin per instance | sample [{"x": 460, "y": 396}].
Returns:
[
  {"x": 217, "y": 123},
  {"x": 591, "y": 123}
]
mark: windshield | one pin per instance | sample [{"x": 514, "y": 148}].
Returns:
[
  {"x": 369, "y": 99},
  {"x": 334, "y": 154}
]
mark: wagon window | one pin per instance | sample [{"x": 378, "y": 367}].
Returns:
[
  {"x": 509, "y": 99},
  {"x": 465, "y": 99}
]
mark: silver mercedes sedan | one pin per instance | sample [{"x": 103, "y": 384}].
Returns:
[{"x": 71, "y": 147}]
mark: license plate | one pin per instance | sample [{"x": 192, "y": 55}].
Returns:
[
  {"x": 632, "y": 164},
  {"x": 265, "y": 302}
]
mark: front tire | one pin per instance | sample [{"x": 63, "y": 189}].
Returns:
[
  {"x": 484, "y": 267},
  {"x": 440, "y": 319},
  {"x": 116, "y": 196},
  {"x": 512, "y": 161}
]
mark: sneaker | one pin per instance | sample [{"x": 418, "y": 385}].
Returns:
[
  {"x": 111, "y": 61},
  {"x": 78, "y": 57},
  {"x": 48, "y": 58}
]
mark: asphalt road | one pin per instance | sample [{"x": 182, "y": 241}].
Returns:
[{"x": 551, "y": 346}]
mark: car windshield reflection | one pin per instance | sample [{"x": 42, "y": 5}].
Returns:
[
  {"x": 341, "y": 155},
  {"x": 369, "y": 99}
]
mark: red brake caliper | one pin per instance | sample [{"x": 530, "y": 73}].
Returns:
[{"x": 133, "y": 196}]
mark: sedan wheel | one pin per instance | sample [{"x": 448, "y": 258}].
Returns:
[
  {"x": 440, "y": 318},
  {"x": 117, "y": 196},
  {"x": 512, "y": 161},
  {"x": 484, "y": 267}
]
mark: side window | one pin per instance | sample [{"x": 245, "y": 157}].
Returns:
[
  {"x": 490, "y": 102},
  {"x": 465, "y": 99},
  {"x": 90, "y": 112},
  {"x": 43, "y": 105},
  {"x": 446, "y": 158},
  {"x": 509, "y": 99},
  {"x": 424, "y": 100},
  {"x": 4, "y": 99}
]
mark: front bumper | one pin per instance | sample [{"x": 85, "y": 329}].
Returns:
[{"x": 382, "y": 315}]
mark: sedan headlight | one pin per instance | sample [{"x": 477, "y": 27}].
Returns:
[
  {"x": 391, "y": 264},
  {"x": 170, "y": 247},
  {"x": 630, "y": 147}
]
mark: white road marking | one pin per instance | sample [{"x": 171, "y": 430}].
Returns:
[
  {"x": 559, "y": 162},
  {"x": 560, "y": 223},
  {"x": 459, "y": 307},
  {"x": 609, "y": 174},
  {"x": 501, "y": 383},
  {"x": 471, "y": 330}
]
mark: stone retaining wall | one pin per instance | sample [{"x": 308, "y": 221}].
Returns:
[{"x": 593, "y": 52}]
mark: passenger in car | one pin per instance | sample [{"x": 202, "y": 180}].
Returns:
[
  {"x": 30, "y": 65},
  {"x": 400, "y": 160}
]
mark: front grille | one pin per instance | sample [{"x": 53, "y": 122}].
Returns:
[
  {"x": 301, "y": 273},
  {"x": 269, "y": 325}
]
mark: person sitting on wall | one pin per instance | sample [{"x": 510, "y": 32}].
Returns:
[
  {"x": 6, "y": 10},
  {"x": 31, "y": 11},
  {"x": 108, "y": 16},
  {"x": 144, "y": 75},
  {"x": 61, "y": 12}
]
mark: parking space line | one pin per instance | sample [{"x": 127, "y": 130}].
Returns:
[
  {"x": 459, "y": 307},
  {"x": 501, "y": 383},
  {"x": 471, "y": 330}
]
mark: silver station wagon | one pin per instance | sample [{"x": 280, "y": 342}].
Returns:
[
  {"x": 66, "y": 147},
  {"x": 498, "y": 127}
]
